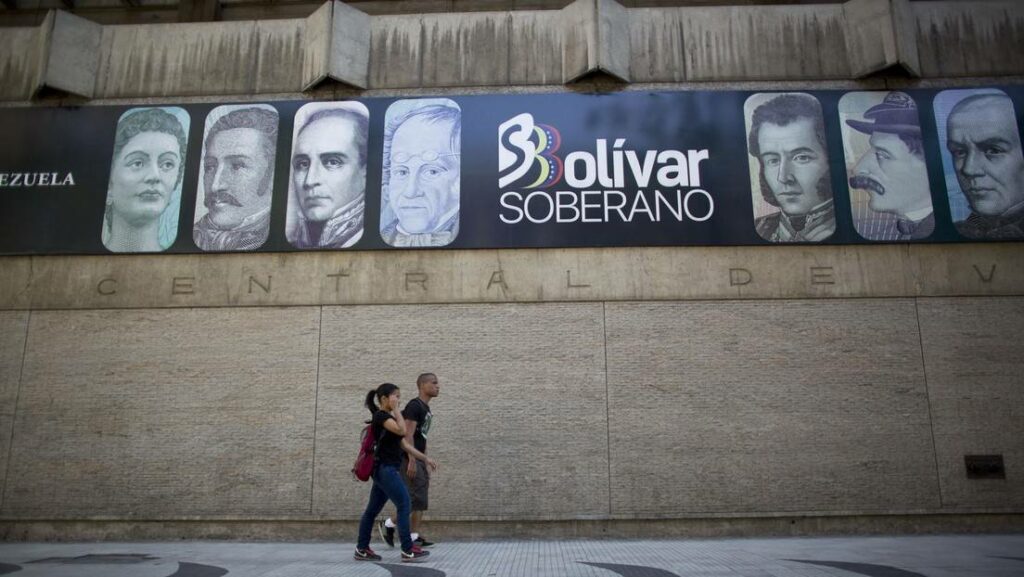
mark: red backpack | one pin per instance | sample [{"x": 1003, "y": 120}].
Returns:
[{"x": 362, "y": 470}]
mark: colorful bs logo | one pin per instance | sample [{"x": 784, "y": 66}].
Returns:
[{"x": 528, "y": 150}]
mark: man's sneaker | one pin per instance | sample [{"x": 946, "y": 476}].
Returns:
[
  {"x": 366, "y": 555},
  {"x": 423, "y": 542},
  {"x": 414, "y": 555},
  {"x": 387, "y": 534}
]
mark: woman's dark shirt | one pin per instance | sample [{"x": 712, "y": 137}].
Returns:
[{"x": 389, "y": 448}]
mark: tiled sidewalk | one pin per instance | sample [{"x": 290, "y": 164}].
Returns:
[{"x": 931, "y": 556}]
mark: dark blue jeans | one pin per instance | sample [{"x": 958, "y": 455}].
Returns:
[{"x": 387, "y": 484}]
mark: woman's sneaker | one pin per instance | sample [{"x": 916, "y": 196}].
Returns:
[
  {"x": 414, "y": 555},
  {"x": 423, "y": 542},
  {"x": 366, "y": 555},
  {"x": 387, "y": 534}
]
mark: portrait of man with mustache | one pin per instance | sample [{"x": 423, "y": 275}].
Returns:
[
  {"x": 237, "y": 178},
  {"x": 892, "y": 171},
  {"x": 787, "y": 137}
]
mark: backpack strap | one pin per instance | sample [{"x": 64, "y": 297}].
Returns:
[{"x": 376, "y": 444}]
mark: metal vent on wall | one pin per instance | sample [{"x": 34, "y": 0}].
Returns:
[{"x": 984, "y": 466}]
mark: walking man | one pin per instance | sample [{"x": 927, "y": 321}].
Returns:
[{"x": 418, "y": 419}]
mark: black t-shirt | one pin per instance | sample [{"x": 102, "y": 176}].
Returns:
[
  {"x": 389, "y": 447},
  {"x": 417, "y": 410}
]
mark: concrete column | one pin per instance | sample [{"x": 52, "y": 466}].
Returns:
[
  {"x": 337, "y": 46},
  {"x": 881, "y": 34},
  {"x": 61, "y": 53},
  {"x": 596, "y": 39},
  {"x": 73, "y": 53}
]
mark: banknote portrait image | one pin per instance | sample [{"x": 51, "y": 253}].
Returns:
[
  {"x": 420, "y": 194},
  {"x": 890, "y": 195},
  {"x": 327, "y": 183},
  {"x": 789, "y": 172},
  {"x": 236, "y": 179},
  {"x": 983, "y": 166},
  {"x": 144, "y": 191}
]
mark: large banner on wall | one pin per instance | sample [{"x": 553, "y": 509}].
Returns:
[{"x": 508, "y": 171}]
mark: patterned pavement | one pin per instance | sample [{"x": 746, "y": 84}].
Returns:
[{"x": 904, "y": 556}]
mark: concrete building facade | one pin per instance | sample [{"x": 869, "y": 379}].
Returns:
[{"x": 584, "y": 392}]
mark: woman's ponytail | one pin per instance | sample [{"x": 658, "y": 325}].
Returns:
[{"x": 370, "y": 404}]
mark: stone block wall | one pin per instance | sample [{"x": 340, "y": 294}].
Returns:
[
  {"x": 141, "y": 413},
  {"x": 974, "y": 382},
  {"x": 767, "y": 406},
  {"x": 548, "y": 411}
]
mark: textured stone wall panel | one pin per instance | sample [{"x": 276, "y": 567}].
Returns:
[
  {"x": 761, "y": 43},
  {"x": 466, "y": 49},
  {"x": 970, "y": 38},
  {"x": 21, "y": 62},
  {"x": 396, "y": 51},
  {"x": 13, "y": 330},
  {"x": 176, "y": 60},
  {"x": 656, "y": 45},
  {"x": 511, "y": 275},
  {"x": 519, "y": 427},
  {"x": 150, "y": 414},
  {"x": 15, "y": 282},
  {"x": 767, "y": 407},
  {"x": 975, "y": 359},
  {"x": 535, "y": 43},
  {"x": 280, "y": 62}
]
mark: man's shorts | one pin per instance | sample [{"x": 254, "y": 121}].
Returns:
[{"x": 418, "y": 485}]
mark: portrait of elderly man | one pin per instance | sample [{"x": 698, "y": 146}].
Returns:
[
  {"x": 328, "y": 176},
  {"x": 787, "y": 137},
  {"x": 422, "y": 169},
  {"x": 984, "y": 143},
  {"x": 893, "y": 170},
  {"x": 237, "y": 179}
]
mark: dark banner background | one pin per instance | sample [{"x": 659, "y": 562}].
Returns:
[{"x": 67, "y": 220}]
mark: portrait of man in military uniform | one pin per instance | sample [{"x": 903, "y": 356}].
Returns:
[
  {"x": 792, "y": 191},
  {"x": 327, "y": 200}
]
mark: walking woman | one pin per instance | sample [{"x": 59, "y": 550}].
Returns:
[{"x": 389, "y": 429}]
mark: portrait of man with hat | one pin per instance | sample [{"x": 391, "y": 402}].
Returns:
[{"x": 892, "y": 170}]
